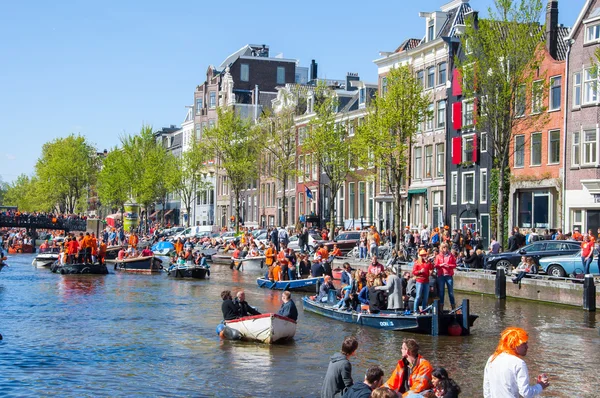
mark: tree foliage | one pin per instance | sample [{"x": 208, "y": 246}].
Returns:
[
  {"x": 499, "y": 66},
  {"x": 23, "y": 193},
  {"x": 235, "y": 143},
  {"x": 113, "y": 185},
  {"x": 384, "y": 140}
]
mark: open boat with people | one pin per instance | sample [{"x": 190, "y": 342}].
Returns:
[
  {"x": 98, "y": 269},
  {"x": 144, "y": 265},
  {"x": 189, "y": 271},
  {"x": 264, "y": 328},
  {"x": 305, "y": 285},
  {"x": 250, "y": 263},
  {"x": 433, "y": 323}
]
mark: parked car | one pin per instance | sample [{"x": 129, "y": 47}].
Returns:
[
  {"x": 313, "y": 241},
  {"x": 562, "y": 266},
  {"x": 536, "y": 250},
  {"x": 228, "y": 236},
  {"x": 345, "y": 241}
]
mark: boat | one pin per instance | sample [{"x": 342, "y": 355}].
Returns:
[
  {"x": 208, "y": 253},
  {"x": 43, "y": 260},
  {"x": 112, "y": 252},
  {"x": 188, "y": 271},
  {"x": 146, "y": 265},
  {"x": 337, "y": 273},
  {"x": 434, "y": 323},
  {"x": 99, "y": 269},
  {"x": 15, "y": 249},
  {"x": 265, "y": 328},
  {"x": 250, "y": 263},
  {"x": 221, "y": 258},
  {"x": 306, "y": 285}
]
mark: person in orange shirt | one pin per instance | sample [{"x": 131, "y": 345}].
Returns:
[
  {"x": 576, "y": 235},
  {"x": 86, "y": 248},
  {"x": 419, "y": 378},
  {"x": 178, "y": 246},
  {"x": 72, "y": 248},
  {"x": 94, "y": 247},
  {"x": 323, "y": 252},
  {"x": 134, "y": 239},
  {"x": 276, "y": 272},
  {"x": 336, "y": 252},
  {"x": 102, "y": 251}
]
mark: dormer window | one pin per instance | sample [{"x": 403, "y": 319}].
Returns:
[
  {"x": 592, "y": 32},
  {"x": 430, "y": 30},
  {"x": 362, "y": 94}
]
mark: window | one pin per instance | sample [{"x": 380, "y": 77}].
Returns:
[
  {"x": 211, "y": 123},
  {"x": 244, "y": 72},
  {"x": 454, "y": 188},
  {"x": 371, "y": 203},
  {"x": 384, "y": 86},
  {"x": 428, "y": 161},
  {"x": 301, "y": 203},
  {"x": 554, "y": 146},
  {"x": 483, "y": 185},
  {"x": 198, "y": 132},
  {"x": 420, "y": 77},
  {"x": 301, "y": 168},
  {"x": 519, "y": 151},
  {"x": 534, "y": 209},
  {"x": 592, "y": 33},
  {"x": 212, "y": 99},
  {"x": 438, "y": 207},
  {"x": 537, "y": 96},
  {"x": 440, "y": 159},
  {"x": 520, "y": 101},
  {"x": 315, "y": 163},
  {"x": 198, "y": 105},
  {"x": 555, "y": 88},
  {"x": 430, "y": 31},
  {"x": 468, "y": 187},
  {"x": 383, "y": 183},
  {"x": 589, "y": 147},
  {"x": 361, "y": 199},
  {"x": 536, "y": 149},
  {"x": 441, "y": 114},
  {"x": 280, "y": 75},
  {"x": 442, "y": 73},
  {"x": 431, "y": 77},
  {"x": 576, "y": 150},
  {"x": 468, "y": 148},
  {"x": 429, "y": 118},
  {"x": 417, "y": 165},
  {"x": 577, "y": 89},
  {"x": 590, "y": 93},
  {"x": 467, "y": 113},
  {"x": 483, "y": 142},
  {"x": 351, "y": 193},
  {"x": 362, "y": 95}
]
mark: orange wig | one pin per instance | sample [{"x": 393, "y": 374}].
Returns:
[{"x": 510, "y": 339}]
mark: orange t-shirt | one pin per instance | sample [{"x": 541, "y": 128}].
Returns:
[
  {"x": 270, "y": 254},
  {"x": 133, "y": 240},
  {"x": 94, "y": 245},
  {"x": 324, "y": 253},
  {"x": 276, "y": 273}
]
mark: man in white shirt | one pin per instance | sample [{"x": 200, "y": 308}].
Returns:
[
  {"x": 505, "y": 373},
  {"x": 424, "y": 235}
]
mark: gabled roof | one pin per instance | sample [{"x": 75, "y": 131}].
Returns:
[
  {"x": 584, "y": 10},
  {"x": 561, "y": 45},
  {"x": 189, "y": 117},
  {"x": 408, "y": 44}
]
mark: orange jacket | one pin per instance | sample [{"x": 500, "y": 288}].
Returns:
[
  {"x": 86, "y": 242},
  {"x": 133, "y": 240},
  {"x": 418, "y": 381},
  {"x": 270, "y": 256},
  {"x": 276, "y": 273},
  {"x": 94, "y": 245},
  {"x": 337, "y": 252},
  {"x": 324, "y": 253}
]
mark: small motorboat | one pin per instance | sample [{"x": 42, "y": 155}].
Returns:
[
  {"x": 433, "y": 323},
  {"x": 144, "y": 265},
  {"x": 250, "y": 263},
  {"x": 264, "y": 328},
  {"x": 221, "y": 258},
  {"x": 98, "y": 269},
  {"x": 191, "y": 271},
  {"x": 306, "y": 285},
  {"x": 43, "y": 260}
]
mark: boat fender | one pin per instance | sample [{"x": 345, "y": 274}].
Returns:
[
  {"x": 220, "y": 328},
  {"x": 62, "y": 271},
  {"x": 230, "y": 334},
  {"x": 231, "y": 265},
  {"x": 454, "y": 329}
]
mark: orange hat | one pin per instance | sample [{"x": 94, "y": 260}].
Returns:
[
  {"x": 446, "y": 227},
  {"x": 423, "y": 252}
]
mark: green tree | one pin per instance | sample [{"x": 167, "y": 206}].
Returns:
[
  {"x": 235, "y": 143},
  {"x": 66, "y": 170},
  {"x": 279, "y": 136},
  {"x": 327, "y": 139},
  {"x": 499, "y": 66},
  {"x": 22, "y": 193},
  {"x": 113, "y": 184},
  {"x": 385, "y": 138}
]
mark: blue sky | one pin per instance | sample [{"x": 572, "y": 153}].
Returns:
[{"x": 103, "y": 69}]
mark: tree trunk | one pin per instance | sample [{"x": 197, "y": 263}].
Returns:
[
  {"x": 283, "y": 202},
  {"x": 397, "y": 219},
  {"x": 237, "y": 211},
  {"x": 331, "y": 214},
  {"x": 189, "y": 212}
]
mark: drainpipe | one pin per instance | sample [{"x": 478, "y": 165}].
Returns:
[
  {"x": 565, "y": 113},
  {"x": 256, "y": 103}
]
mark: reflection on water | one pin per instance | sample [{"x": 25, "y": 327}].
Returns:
[{"x": 150, "y": 335}]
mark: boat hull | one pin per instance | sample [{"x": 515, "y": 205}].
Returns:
[
  {"x": 264, "y": 328},
  {"x": 142, "y": 265},
  {"x": 44, "y": 260},
  {"x": 188, "y": 272},
  {"x": 303, "y": 285},
  {"x": 221, "y": 258},
  {"x": 250, "y": 263},
  {"x": 97, "y": 269},
  {"x": 388, "y": 320}
]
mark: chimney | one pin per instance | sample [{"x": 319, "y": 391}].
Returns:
[
  {"x": 313, "y": 70},
  {"x": 551, "y": 28},
  {"x": 349, "y": 78}
]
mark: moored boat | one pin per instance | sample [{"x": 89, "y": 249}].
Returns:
[
  {"x": 306, "y": 285},
  {"x": 188, "y": 271},
  {"x": 99, "y": 269},
  {"x": 250, "y": 263},
  {"x": 112, "y": 252},
  {"x": 264, "y": 328},
  {"x": 221, "y": 258},
  {"x": 145, "y": 265},
  {"x": 16, "y": 249},
  {"x": 428, "y": 323},
  {"x": 43, "y": 260}
]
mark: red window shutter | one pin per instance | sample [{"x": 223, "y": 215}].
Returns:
[
  {"x": 456, "y": 82},
  {"x": 457, "y": 115},
  {"x": 456, "y": 150},
  {"x": 475, "y": 149}
]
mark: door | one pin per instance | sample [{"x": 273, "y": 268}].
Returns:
[{"x": 485, "y": 230}]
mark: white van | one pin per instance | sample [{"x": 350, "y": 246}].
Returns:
[{"x": 194, "y": 231}]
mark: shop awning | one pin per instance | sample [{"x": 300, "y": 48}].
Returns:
[
  {"x": 417, "y": 191},
  {"x": 168, "y": 212}
]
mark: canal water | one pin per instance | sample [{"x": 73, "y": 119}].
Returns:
[{"x": 123, "y": 335}]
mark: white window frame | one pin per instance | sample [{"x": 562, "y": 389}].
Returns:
[
  {"x": 280, "y": 69},
  {"x": 592, "y": 28},
  {"x": 441, "y": 80},
  {"x": 483, "y": 187},
  {"x": 430, "y": 69},
  {"x": 483, "y": 142},
  {"x": 520, "y": 166},
  {"x": 454, "y": 187},
  {"x": 417, "y": 168},
  {"x": 576, "y": 148},
  {"x": 537, "y": 101},
  {"x": 550, "y": 146},
  {"x": 577, "y": 90},
  {"x": 440, "y": 121},
  {"x": 212, "y": 99},
  {"x": 551, "y": 97},
  {"x": 531, "y": 164},
  {"x": 442, "y": 156},
  {"x": 590, "y": 84},
  {"x": 592, "y": 152},
  {"x": 429, "y": 120},
  {"x": 431, "y": 160},
  {"x": 463, "y": 190},
  {"x": 465, "y": 138},
  {"x": 465, "y": 121}
]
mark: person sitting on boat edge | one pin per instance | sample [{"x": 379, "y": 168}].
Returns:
[
  {"x": 316, "y": 269},
  {"x": 339, "y": 372},
  {"x": 393, "y": 288},
  {"x": 244, "y": 309},
  {"x": 363, "y": 389},
  {"x": 419, "y": 376},
  {"x": 288, "y": 308},
  {"x": 376, "y": 297},
  {"x": 228, "y": 308},
  {"x": 146, "y": 252},
  {"x": 324, "y": 290},
  {"x": 375, "y": 267},
  {"x": 346, "y": 289}
]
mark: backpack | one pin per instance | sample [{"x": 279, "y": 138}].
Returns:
[{"x": 435, "y": 239}]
